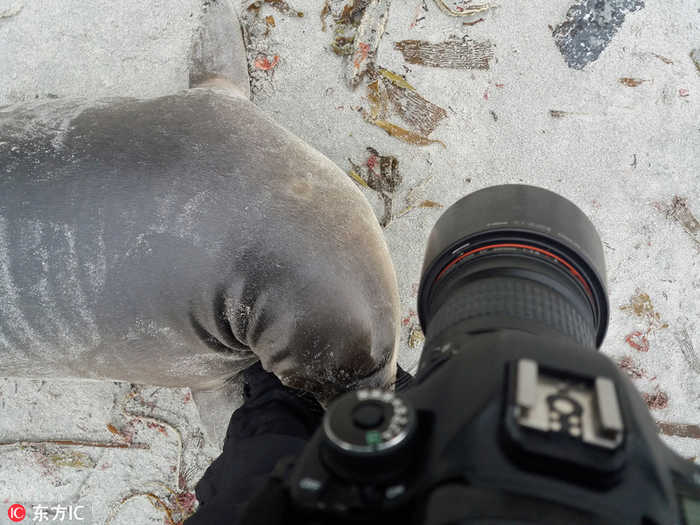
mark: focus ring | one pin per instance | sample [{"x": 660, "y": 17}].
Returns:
[{"x": 517, "y": 299}]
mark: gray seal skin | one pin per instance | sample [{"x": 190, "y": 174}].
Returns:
[{"x": 175, "y": 241}]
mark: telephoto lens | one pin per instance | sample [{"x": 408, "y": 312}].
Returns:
[{"x": 515, "y": 256}]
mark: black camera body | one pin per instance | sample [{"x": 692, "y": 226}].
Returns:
[
  {"x": 481, "y": 444},
  {"x": 513, "y": 417}
]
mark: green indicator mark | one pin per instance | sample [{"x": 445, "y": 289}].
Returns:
[{"x": 373, "y": 437}]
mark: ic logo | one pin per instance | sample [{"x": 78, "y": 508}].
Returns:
[{"x": 16, "y": 512}]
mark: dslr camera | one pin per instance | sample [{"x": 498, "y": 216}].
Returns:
[{"x": 513, "y": 416}]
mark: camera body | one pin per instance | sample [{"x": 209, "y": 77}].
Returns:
[{"x": 501, "y": 427}]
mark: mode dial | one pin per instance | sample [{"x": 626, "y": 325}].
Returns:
[
  {"x": 368, "y": 435},
  {"x": 369, "y": 422}
]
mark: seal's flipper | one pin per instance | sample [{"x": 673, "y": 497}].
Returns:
[{"x": 218, "y": 52}]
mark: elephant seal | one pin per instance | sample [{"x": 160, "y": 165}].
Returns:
[{"x": 175, "y": 241}]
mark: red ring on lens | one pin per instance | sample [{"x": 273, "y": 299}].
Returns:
[{"x": 539, "y": 250}]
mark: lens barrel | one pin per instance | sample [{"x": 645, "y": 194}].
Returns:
[{"x": 515, "y": 256}]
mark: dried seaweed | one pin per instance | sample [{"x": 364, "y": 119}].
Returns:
[
  {"x": 378, "y": 98},
  {"x": 264, "y": 63},
  {"x": 663, "y": 59},
  {"x": 415, "y": 337},
  {"x": 684, "y": 430},
  {"x": 127, "y": 437},
  {"x": 467, "y": 10},
  {"x": 422, "y": 204},
  {"x": 155, "y": 500},
  {"x": 638, "y": 341},
  {"x": 283, "y": 7},
  {"x": 367, "y": 38},
  {"x": 422, "y": 115},
  {"x": 344, "y": 39},
  {"x": 262, "y": 57},
  {"x": 556, "y": 113},
  {"x": 474, "y": 22},
  {"x": 631, "y": 82},
  {"x": 695, "y": 57},
  {"x": 73, "y": 459},
  {"x": 388, "y": 206},
  {"x": 656, "y": 400},
  {"x": 382, "y": 171},
  {"x": 455, "y": 53},
  {"x": 343, "y": 46},
  {"x": 429, "y": 204},
  {"x": 324, "y": 13},
  {"x": 381, "y": 174},
  {"x": 360, "y": 54},
  {"x": 356, "y": 177},
  {"x": 418, "y": 14},
  {"x": 679, "y": 211},
  {"x": 398, "y": 80},
  {"x": 640, "y": 304},
  {"x": 74, "y": 443},
  {"x": 685, "y": 344},
  {"x": 358, "y": 29},
  {"x": 391, "y": 94},
  {"x": 411, "y": 200},
  {"x": 405, "y": 135},
  {"x": 631, "y": 368},
  {"x": 352, "y": 12}
]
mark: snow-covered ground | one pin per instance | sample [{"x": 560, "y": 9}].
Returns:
[{"x": 618, "y": 136}]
